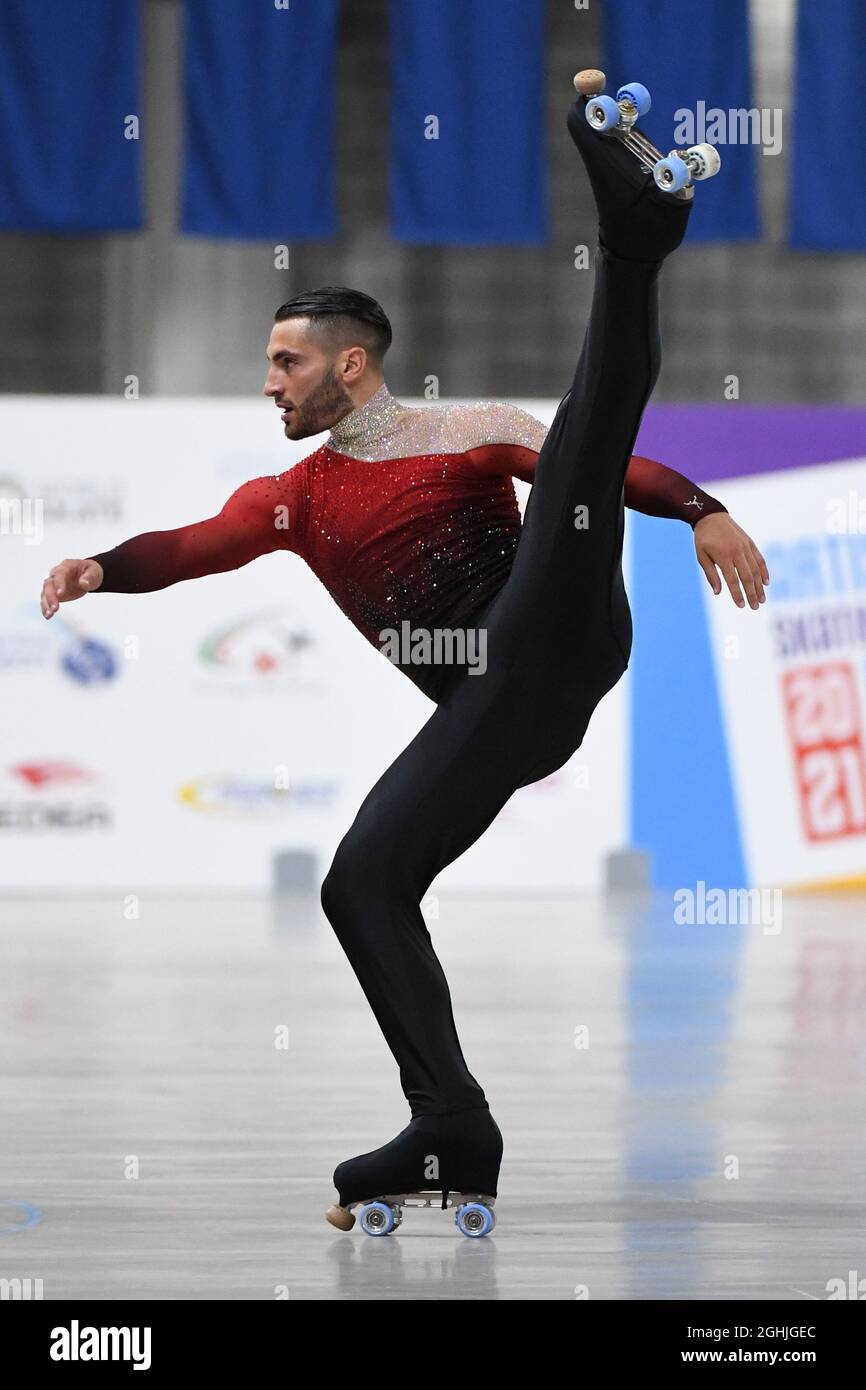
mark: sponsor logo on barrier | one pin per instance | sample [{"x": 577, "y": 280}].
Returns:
[
  {"x": 42, "y": 774},
  {"x": 65, "y": 498},
  {"x": 25, "y": 651},
  {"x": 89, "y": 661},
  {"x": 252, "y": 796},
  {"x": 86, "y": 660},
  {"x": 259, "y": 652},
  {"x": 43, "y": 810}
]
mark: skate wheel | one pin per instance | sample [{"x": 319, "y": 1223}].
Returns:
[
  {"x": 340, "y": 1217},
  {"x": 474, "y": 1219},
  {"x": 603, "y": 113},
  {"x": 589, "y": 82},
  {"x": 637, "y": 93},
  {"x": 704, "y": 161},
  {"x": 377, "y": 1219},
  {"x": 671, "y": 174}
]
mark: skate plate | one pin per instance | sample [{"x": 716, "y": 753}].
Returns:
[
  {"x": 675, "y": 173},
  {"x": 380, "y": 1216}
]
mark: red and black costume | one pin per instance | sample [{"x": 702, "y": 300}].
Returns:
[
  {"x": 410, "y": 515},
  {"x": 405, "y": 515}
]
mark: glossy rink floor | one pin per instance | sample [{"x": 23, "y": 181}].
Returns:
[{"x": 682, "y": 1106}]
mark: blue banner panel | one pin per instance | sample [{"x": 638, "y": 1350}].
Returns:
[
  {"x": 828, "y": 165},
  {"x": 696, "y": 62},
  {"x": 683, "y": 811},
  {"x": 469, "y": 165},
  {"x": 260, "y": 95},
  {"x": 69, "y": 116}
]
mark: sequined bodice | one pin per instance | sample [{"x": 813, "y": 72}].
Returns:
[
  {"x": 402, "y": 517},
  {"x": 406, "y": 514},
  {"x": 384, "y": 428}
]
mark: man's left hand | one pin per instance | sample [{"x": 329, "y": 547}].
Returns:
[{"x": 721, "y": 544}]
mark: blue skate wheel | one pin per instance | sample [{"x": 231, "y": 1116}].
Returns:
[
  {"x": 636, "y": 92},
  {"x": 474, "y": 1219},
  {"x": 602, "y": 113},
  {"x": 376, "y": 1219},
  {"x": 671, "y": 174}
]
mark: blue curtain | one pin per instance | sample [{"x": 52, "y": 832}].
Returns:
[
  {"x": 68, "y": 82},
  {"x": 260, "y": 93},
  {"x": 469, "y": 164},
  {"x": 828, "y": 166},
  {"x": 688, "y": 53}
]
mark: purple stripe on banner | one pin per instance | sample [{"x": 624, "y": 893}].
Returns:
[{"x": 709, "y": 441}]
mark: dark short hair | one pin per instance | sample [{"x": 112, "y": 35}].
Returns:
[{"x": 342, "y": 317}]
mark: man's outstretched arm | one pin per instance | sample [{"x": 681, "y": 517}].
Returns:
[
  {"x": 657, "y": 490},
  {"x": 650, "y": 487},
  {"x": 255, "y": 520},
  {"x": 653, "y": 488}
]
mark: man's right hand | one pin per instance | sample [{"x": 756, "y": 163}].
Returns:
[{"x": 68, "y": 580}]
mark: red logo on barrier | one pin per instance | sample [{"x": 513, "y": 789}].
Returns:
[
  {"x": 823, "y": 723},
  {"x": 40, "y": 774}
]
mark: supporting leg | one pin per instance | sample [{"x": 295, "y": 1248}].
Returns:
[{"x": 552, "y": 652}]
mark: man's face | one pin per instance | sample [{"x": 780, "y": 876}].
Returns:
[{"x": 303, "y": 381}]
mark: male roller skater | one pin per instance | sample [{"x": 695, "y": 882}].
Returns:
[{"x": 411, "y": 515}]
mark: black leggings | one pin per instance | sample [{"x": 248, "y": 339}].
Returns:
[{"x": 558, "y": 638}]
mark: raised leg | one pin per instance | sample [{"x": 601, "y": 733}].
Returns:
[{"x": 555, "y": 644}]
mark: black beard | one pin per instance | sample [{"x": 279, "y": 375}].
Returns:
[{"x": 324, "y": 406}]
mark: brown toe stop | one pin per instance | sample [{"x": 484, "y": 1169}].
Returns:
[
  {"x": 589, "y": 82},
  {"x": 340, "y": 1217}
]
